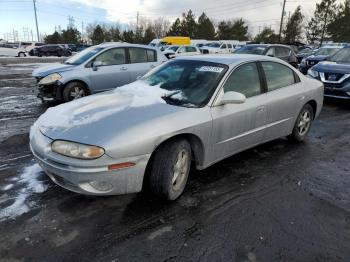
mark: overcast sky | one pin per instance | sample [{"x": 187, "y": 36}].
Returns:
[{"x": 18, "y": 15}]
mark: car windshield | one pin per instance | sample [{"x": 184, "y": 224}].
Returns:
[
  {"x": 173, "y": 48},
  {"x": 327, "y": 51},
  {"x": 83, "y": 56},
  {"x": 192, "y": 82},
  {"x": 342, "y": 56},
  {"x": 253, "y": 50},
  {"x": 214, "y": 45}
]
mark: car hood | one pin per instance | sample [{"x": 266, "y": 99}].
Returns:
[
  {"x": 99, "y": 119},
  {"x": 334, "y": 67},
  {"x": 317, "y": 57},
  {"x": 50, "y": 69},
  {"x": 168, "y": 52}
]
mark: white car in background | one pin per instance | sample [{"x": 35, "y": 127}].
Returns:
[
  {"x": 177, "y": 50},
  {"x": 20, "y": 49}
]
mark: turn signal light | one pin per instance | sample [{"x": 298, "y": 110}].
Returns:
[{"x": 120, "y": 165}]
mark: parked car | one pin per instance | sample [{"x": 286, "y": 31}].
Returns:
[
  {"x": 198, "y": 109},
  {"x": 51, "y": 50},
  {"x": 283, "y": 52},
  {"x": 186, "y": 50},
  {"x": 304, "y": 54},
  {"x": 334, "y": 74},
  {"x": 322, "y": 54},
  {"x": 218, "y": 48},
  {"x": 96, "y": 69}
]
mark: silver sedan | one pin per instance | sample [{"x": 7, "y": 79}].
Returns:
[{"x": 194, "y": 110}]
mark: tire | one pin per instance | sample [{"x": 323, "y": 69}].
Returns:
[
  {"x": 163, "y": 181},
  {"x": 40, "y": 54},
  {"x": 74, "y": 90},
  {"x": 302, "y": 124},
  {"x": 47, "y": 54},
  {"x": 21, "y": 54}
]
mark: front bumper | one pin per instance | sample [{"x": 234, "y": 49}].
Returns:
[
  {"x": 49, "y": 92},
  {"x": 90, "y": 177}
]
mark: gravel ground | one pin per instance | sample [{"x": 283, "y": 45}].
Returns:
[{"x": 276, "y": 202}]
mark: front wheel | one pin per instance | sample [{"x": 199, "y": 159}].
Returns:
[
  {"x": 170, "y": 168},
  {"x": 302, "y": 124},
  {"x": 74, "y": 90},
  {"x": 21, "y": 54}
]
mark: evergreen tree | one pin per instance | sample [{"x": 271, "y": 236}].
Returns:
[
  {"x": 112, "y": 34},
  {"x": 239, "y": 30},
  {"x": 189, "y": 25},
  {"x": 323, "y": 16},
  {"x": 149, "y": 35},
  {"x": 128, "y": 36},
  {"x": 205, "y": 28},
  {"x": 339, "y": 29},
  {"x": 293, "y": 31},
  {"x": 267, "y": 35},
  {"x": 55, "y": 38},
  {"x": 175, "y": 29},
  {"x": 70, "y": 36},
  {"x": 236, "y": 30},
  {"x": 98, "y": 35}
]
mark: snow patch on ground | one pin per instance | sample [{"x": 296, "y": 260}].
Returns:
[
  {"x": 91, "y": 109},
  {"x": 31, "y": 184}
]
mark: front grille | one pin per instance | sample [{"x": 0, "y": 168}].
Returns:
[
  {"x": 205, "y": 51},
  {"x": 333, "y": 76}
]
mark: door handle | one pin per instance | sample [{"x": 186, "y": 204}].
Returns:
[
  {"x": 123, "y": 68},
  {"x": 261, "y": 108}
]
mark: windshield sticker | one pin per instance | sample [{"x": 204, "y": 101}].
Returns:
[{"x": 211, "y": 69}]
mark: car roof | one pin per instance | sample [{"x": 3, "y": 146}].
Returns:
[
  {"x": 229, "y": 59},
  {"x": 124, "y": 44},
  {"x": 268, "y": 45}
]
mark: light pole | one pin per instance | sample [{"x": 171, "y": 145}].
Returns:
[
  {"x": 36, "y": 21},
  {"x": 280, "y": 34}
]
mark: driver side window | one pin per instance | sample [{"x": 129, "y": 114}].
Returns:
[
  {"x": 115, "y": 56},
  {"x": 245, "y": 79}
]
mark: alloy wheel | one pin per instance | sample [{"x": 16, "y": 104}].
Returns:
[
  {"x": 304, "y": 123},
  {"x": 180, "y": 169}
]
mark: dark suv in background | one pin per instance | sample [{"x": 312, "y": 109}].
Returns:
[
  {"x": 51, "y": 50},
  {"x": 321, "y": 54},
  {"x": 334, "y": 74},
  {"x": 283, "y": 52}
]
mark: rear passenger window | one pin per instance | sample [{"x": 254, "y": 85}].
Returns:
[
  {"x": 277, "y": 75},
  {"x": 151, "y": 55},
  {"x": 245, "y": 80},
  {"x": 282, "y": 52},
  {"x": 229, "y": 45},
  {"x": 138, "y": 55}
]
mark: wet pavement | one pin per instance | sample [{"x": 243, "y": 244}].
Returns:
[{"x": 277, "y": 202}]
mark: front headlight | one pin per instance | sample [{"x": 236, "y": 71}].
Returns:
[
  {"x": 312, "y": 73},
  {"x": 76, "y": 150},
  {"x": 50, "y": 79}
]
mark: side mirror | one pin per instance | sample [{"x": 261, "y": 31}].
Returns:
[
  {"x": 232, "y": 98},
  {"x": 96, "y": 64}
]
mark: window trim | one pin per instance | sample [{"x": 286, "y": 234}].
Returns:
[{"x": 264, "y": 76}]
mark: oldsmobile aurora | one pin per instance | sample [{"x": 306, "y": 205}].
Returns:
[{"x": 196, "y": 110}]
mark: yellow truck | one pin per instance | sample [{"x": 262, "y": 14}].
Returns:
[{"x": 174, "y": 40}]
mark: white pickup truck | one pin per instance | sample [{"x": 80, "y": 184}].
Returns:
[{"x": 218, "y": 48}]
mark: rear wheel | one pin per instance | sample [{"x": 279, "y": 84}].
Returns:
[
  {"x": 170, "y": 168},
  {"x": 303, "y": 124},
  {"x": 74, "y": 90},
  {"x": 21, "y": 54}
]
